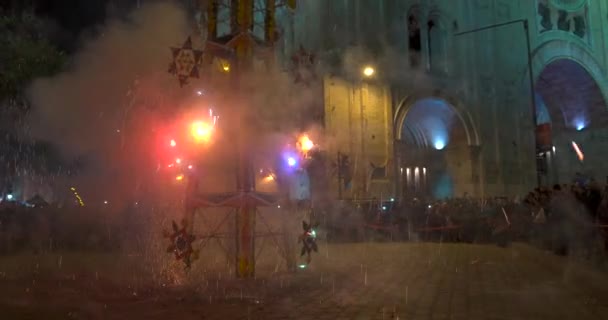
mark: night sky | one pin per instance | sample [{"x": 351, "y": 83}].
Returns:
[{"x": 72, "y": 16}]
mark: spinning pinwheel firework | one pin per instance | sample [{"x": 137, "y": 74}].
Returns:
[
  {"x": 181, "y": 244},
  {"x": 309, "y": 241},
  {"x": 186, "y": 61}
]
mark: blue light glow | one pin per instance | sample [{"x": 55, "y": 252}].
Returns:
[
  {"x": 430, "y": 122},
  {"x": 291, "y": 160},
  {"x": 439, "y": 144},
  {"x": 579, "y": 124}
]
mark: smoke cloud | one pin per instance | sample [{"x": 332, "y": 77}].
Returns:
[
  {"x": 81, "y": 108},
  {"x": 116, "y": 95}
]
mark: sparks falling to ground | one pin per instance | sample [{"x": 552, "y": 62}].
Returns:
[{"x": 579, "y": 153}]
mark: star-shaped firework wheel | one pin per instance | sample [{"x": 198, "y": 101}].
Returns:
[
  {"x": 186, "y": 62},
  {"x": 181, "y": 243},
  {"x": 309, "y": 240}
]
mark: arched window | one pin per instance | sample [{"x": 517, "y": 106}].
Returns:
[
  {"x": 415, "y": 45},
  {"x": 436, "y": 47}
]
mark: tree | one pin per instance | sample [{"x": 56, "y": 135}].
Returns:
[{"x": 25, "y": 55}]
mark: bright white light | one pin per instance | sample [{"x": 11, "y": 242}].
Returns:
[
  {"x": 279, "y": 206},
  {"x": 178, "y": 160},
  {"x": 190, "y": 167},
  {"x": 368, "y": 71},
  {"x": 383, "y": 207},
  {"x": 439, "y": 144},
  {"x": 9, "y": 196},
  {"x": 392, "y": 199},
  {"x": 199, "y": 92},
  {"x": 553, "y": 149},
  {"x": 580, "y": 123},
  {"x": 291, "y": 161},
  {"x": 105, "y": 202},
  {"x": 172, "y": 143}
]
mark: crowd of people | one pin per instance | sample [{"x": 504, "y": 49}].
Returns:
[{"x": 566, "y": 219}]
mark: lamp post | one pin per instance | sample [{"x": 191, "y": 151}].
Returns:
[{"x": 526, "y": 28}]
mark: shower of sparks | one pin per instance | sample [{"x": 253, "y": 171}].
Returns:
[
  {"x": 578, "y": 151},
  {"x": 305, "y": 144},
  {"x": 80, "y": 201}
]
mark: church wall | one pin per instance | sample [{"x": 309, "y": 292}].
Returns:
[
  {"x": 488, "y": 70},
  {"x": 358, "y": 124}
]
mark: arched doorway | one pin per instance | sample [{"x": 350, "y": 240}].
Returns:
[
  {"x": 434, "y": 151},
  {"x": 571, "y": 114}
]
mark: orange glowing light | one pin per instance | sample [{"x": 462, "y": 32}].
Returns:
[
  {"x": 269, "y": 178},
  {"x": 305, "y": 143},
  {"x": 201, "y": 131},
  {"x": 179, "y": 177},
  {"x": 579, "y": 153}
]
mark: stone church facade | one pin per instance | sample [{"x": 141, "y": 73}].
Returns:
[{"x": 448, "y": 114}]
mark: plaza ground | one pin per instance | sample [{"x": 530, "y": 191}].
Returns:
[{"x": 344, "y": 281}]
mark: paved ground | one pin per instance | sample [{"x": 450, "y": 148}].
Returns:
[{"x": 353, "y": 281}]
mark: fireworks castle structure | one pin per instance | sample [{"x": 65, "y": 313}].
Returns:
[{"x": 236, "y": 52}]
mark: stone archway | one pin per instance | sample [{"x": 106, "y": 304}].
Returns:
[
  {"x": 571, "y": 109},
  {"x": 436, "y": 148}
]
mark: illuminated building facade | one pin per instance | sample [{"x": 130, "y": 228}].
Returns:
[{"x": 459, "y": 107}]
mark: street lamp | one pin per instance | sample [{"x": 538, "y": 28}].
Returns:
[
  {"x": 526, "y": 29},
  {"x": 368, "y": 71}
]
